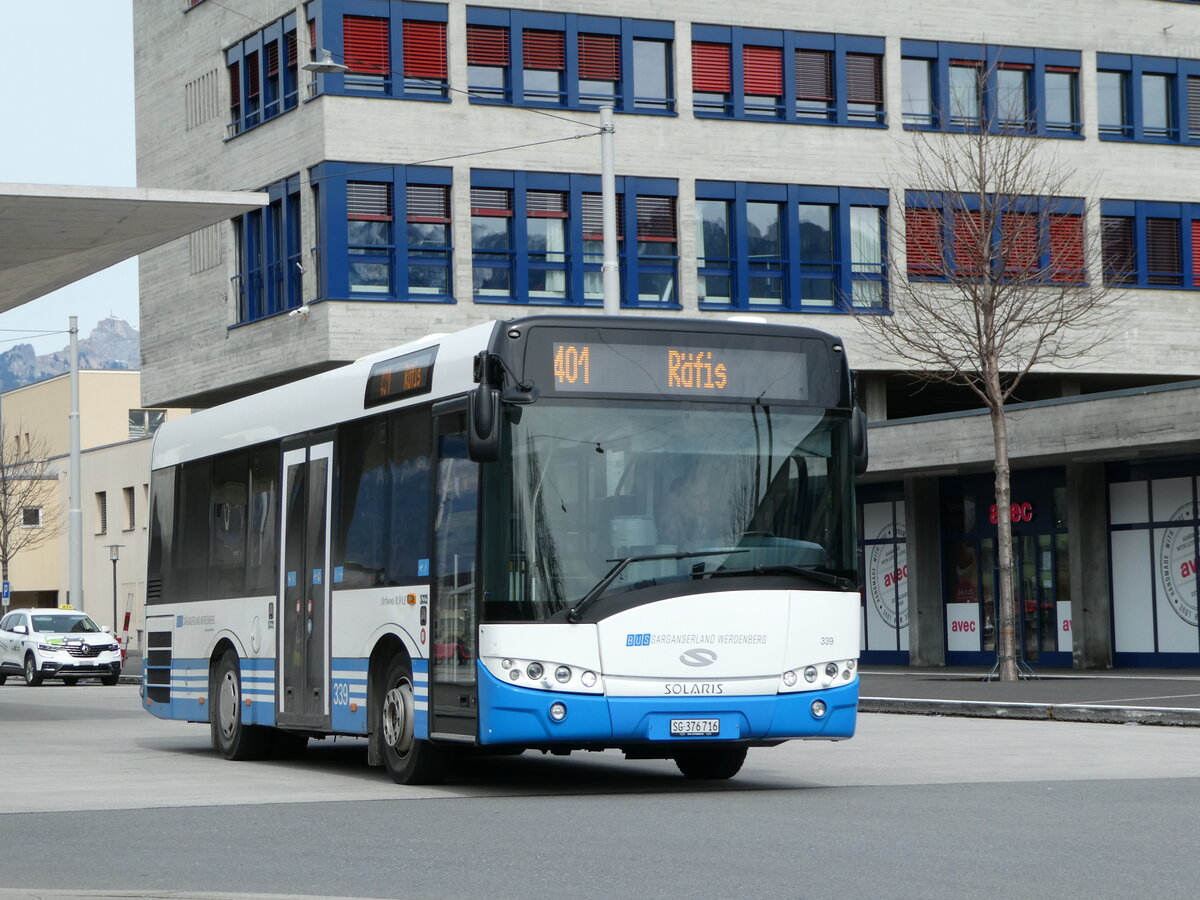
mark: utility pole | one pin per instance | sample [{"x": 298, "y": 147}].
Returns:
[
  {"x": 610, "y": 268},
  {"x": 75, "y": 516}
]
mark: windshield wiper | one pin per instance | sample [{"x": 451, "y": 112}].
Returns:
[
  {"x": 602, "y": 585},
  {"x": 837, "y": 581}
]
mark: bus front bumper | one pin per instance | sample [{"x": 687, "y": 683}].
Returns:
[{"x": 516, "y": 715}]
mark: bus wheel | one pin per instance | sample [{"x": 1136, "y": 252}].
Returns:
[
  {"x": 711, "y": 762},
  {"x": 407, "y": 759},
  {"x": 230, "y": 736}
]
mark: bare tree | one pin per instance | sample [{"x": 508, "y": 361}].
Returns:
[
  {"x": 997, "y": 257},
  {"x": 30, "y": 514}
]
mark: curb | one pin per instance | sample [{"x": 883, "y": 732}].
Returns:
[{"x": 1061, "y": 712}]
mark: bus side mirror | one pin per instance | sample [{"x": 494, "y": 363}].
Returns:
[
  {"x": 483, "y": 424},
  {"x": 858, "y": 436}
]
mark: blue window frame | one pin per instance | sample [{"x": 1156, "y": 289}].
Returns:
[
  {"x": 1149, "y": 99},
  {"x": 522, "y": 58},
  {"x": 364, "y": 252},
  {"x": 961, "y": 87},
  {"x": 394, "y": 48},
  {"x": 268, "y": 254},
  {"x": 790, "y": 248},
  {"x": 262, "y": 76},
  {"x": 537, "y": 239},
  {"x": 758, "y": 74},
  {"x": 1148, "y": 244},
  {"x": 1031, "y": 238}
]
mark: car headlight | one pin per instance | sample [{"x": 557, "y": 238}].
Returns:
[{"x": 48, "y": 648}]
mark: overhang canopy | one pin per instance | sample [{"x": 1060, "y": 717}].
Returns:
[{"x": 53, "y": 235}]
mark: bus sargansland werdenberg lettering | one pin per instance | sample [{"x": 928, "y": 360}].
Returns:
[{"x": 552, "y": 533}]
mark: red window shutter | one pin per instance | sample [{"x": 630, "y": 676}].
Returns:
[
  {"x": 1120, "y": 261},
  {"x": 972, "y": 249},
  {"x": 814, "y": 75},
  {"x": 491, "y": 201},
  {"x": 762, "y": 71},
  {"x": 864, "y": 78},
  {"x": 428, "y": 203},
  {"x": 290, "y": 40},
  {"x": 1020, "y": 248},
  {"x": 272, "y": 59},
  {"x": 921, "y": 229},
  {"x": 366, "y": 45},
  {"x": 487, "y": 46},
  {"x": 252, "y": 86},
  {"x": 593, "y": 217},
  {"x": 425, "y": 49},
  {"x": 1069, "y": 70},
  {"x": 710, "y": 68},
  {"x": 1196, "y": 253},
  {"x": 312, "y": 38},
  {"x": 656, "y": 219},
  {"x": 599, "y": 57},
  {"x": 1066, "y": 248},
  {"x": 369, "y": 201},
  {"x": 545, "y": 50},
  {"x": 546, "y": 204},
  {"x": 235, "y": 85}
]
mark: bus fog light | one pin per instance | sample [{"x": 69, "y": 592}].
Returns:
[
  {"x": 830, "y": 670},
  {"x": 562, "y": 674},
  {"x": 789, "y": 678},
  {"x": 558, "y": 711},
  {"x": 588, "y": 679},
  {"x": 810, "y": 674},
  {"x": 506, "y": 664},
  {"x": 514, "y": 674},
  {"x": 534, "y": 670},
  {"x": 818, "y": 709}
]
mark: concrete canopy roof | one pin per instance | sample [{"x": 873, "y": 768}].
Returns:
[{"x": 53, "y": 235}]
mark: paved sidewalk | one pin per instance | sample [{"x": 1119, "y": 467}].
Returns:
[{"x": 1144, "y": 696}]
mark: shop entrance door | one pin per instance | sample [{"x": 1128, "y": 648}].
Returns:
[{"x": 1043, "y": 618}]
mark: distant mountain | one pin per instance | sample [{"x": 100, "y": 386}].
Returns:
[{"x": 113, "y": 344}]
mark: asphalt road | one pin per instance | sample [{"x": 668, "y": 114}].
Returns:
[{"x": 98, "y": 798}]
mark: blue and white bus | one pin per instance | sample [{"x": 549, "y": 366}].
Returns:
[{"x": 553, "y": 533}]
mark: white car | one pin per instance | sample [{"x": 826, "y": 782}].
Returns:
[{"x": 56, "y": 643}]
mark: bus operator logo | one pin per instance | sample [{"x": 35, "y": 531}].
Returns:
[{"x": 698, "y": 656}]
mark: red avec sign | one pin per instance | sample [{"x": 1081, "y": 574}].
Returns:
[{"x": 1017, "y": 512}]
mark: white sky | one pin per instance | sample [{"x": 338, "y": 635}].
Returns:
[{"x": 70, "y": 122}]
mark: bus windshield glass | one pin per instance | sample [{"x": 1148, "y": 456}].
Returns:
[{"x": 738, "y": 487}]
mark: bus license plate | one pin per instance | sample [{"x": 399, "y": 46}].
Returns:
[{"x": 695, "y": 727}]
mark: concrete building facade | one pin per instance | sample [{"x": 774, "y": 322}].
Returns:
[{"x": 449, "y": 174}]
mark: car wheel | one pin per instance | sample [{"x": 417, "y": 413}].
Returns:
[
  {"x": 407, "y": 759},
  {"x": 230, "y": 736},
  {"x": 3, "y": 678},
  {"x": 112, "y": 679},
  {"x": 715, "y": 763},
  {"x": 32, "y": 676},
  {"x": 70, "y": 680}
]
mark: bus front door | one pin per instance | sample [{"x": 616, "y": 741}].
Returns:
[
  {"x": 453, "y": 692},
  {"x": 303, "y": 662}
]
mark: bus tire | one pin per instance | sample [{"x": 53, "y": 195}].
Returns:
[
  {"x": 407, "y": 759},
  {"x": 230, "y": 736},
  {"x": 714, "y": 763}
]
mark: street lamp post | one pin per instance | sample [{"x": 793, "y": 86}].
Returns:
[{"x": 114, "y": 553}]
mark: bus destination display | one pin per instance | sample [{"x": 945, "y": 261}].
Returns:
[
  {"x": 714, "y": 373},
  {"x": 401, "y": 376}
]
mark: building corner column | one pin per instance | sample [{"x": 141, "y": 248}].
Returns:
[
  {"x": 926, "y": 623},
  {"x": 1091, "y": 592}
]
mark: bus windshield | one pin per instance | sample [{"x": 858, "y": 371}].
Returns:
[{"x": 736, "y": 487}]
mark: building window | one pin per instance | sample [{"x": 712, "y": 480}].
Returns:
[
  {"x": 130, "y": 512},
  {"x": 394, "y": 49},
  {"x": 1038, "y": 239},
  {"x": 358, "y": 209},
  {"x": 961, "y": 87},
  {"x": 1148, "y": 98},
  {"x": 268, "y": 254},
  {"x": 1151, "y": 245},
  {"x": 787, "y": 76},
  {"x": 567, "y": 60},
  {"x": 790, "y": 247},
  {"x": 262, "y": 71},
  {"x": 101, "y": 512},
  {"x": 538, "y": 238},
  {"x": 31, "y": 517},
  {"x": 145, "y": 422}
]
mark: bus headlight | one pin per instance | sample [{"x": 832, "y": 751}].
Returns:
[
  {"x": 534, "y": 670},
  {"x": 562, "y": 674},
  {"x": 789, "y": 678},
  {"x": 588, "y": 679},
  {"x": 831, "y": 670},
  {"x": 810, "y": 674}
]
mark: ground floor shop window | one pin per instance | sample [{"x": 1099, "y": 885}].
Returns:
[{"x": 883, "y": 563}]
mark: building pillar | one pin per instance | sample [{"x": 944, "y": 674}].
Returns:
[
  {"x": 1091, "y": 593},
  {"x": 872, "y": 395},
  {"x": 926, "y": 618}
]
